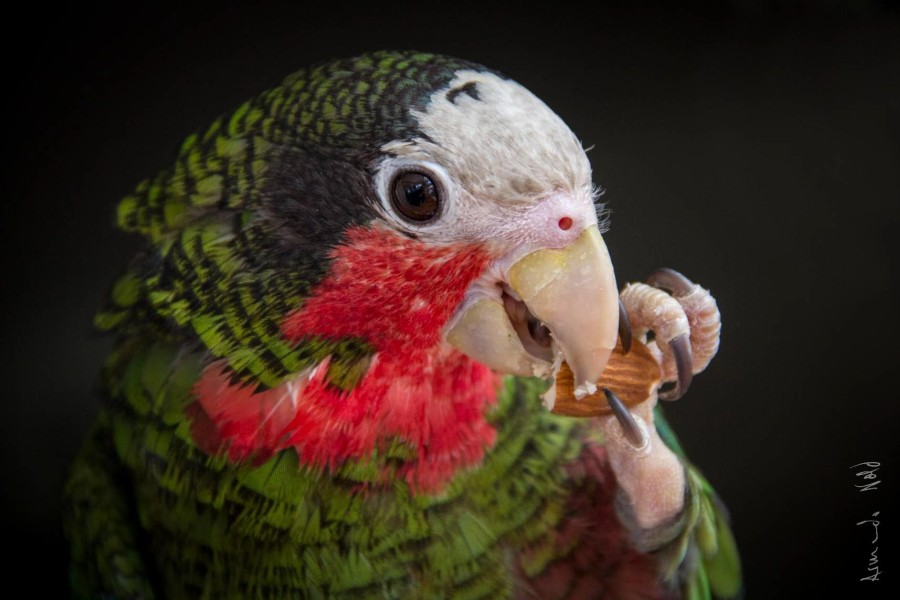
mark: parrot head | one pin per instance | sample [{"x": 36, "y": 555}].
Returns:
[
  {"x": 483, "y": 175},
  {"x": 360, "y": 250}
]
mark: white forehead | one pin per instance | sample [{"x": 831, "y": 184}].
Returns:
[{"x": 497, "y": 140}]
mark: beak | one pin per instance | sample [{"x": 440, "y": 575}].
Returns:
[{"x": 548, "y": 306}]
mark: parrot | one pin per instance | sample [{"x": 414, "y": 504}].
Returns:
[{"x": 335, "y": 355}]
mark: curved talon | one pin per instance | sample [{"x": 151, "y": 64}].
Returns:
[
  {"x": 633, "y": 433},
  {"x": 672, "y": 281},
  {"x": 681, "y": 350},
  {"x": 624, "y": 328}
]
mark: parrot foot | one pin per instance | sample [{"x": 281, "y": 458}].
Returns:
[
  {"x": 650, "y": 476},
  {"x": 680, "y": 323}
]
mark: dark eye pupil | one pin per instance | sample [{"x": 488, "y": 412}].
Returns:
[{"x": 415, "y": 197}]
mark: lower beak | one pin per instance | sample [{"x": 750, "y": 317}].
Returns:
[{"x": 551, "y": 305}]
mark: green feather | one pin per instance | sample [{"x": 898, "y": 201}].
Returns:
[{"x": 707, "y": 533}]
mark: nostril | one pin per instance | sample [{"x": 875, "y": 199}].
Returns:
[{"x": 565, "y": 223}]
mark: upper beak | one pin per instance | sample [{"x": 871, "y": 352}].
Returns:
[{"x": 569, "y": 293}]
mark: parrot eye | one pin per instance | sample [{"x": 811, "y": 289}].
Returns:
[{"x": 415, "y": 196}]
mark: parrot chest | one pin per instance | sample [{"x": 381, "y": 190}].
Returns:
[{"x": 281, "y": 527}]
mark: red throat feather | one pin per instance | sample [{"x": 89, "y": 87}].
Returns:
[{"x": 397, "y": 294}]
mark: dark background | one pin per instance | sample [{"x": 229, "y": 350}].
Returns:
[{"x": 755, "y": 146}]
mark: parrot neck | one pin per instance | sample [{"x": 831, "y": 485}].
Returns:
[{"x": 420, "y": 401}]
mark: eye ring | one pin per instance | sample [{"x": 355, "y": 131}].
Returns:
[{"x": 415, "y": 196}]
